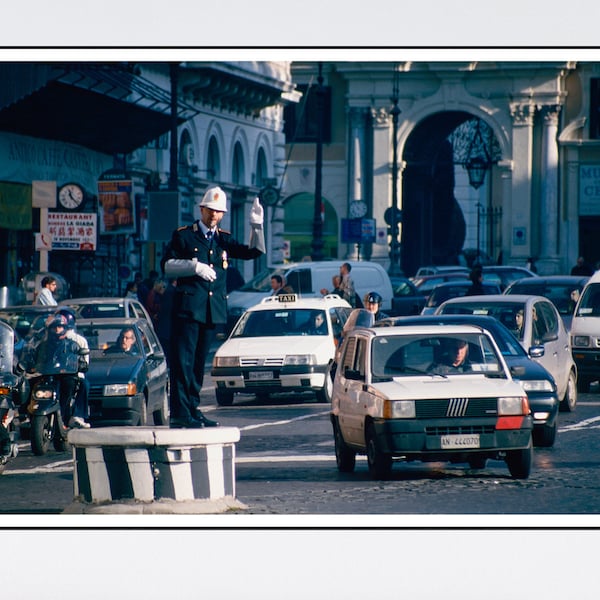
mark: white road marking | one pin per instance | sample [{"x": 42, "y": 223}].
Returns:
[
  {"x": 585, "y": 424},
  {"x": 285, "y": 422}
]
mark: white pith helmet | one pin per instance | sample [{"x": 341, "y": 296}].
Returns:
[{"x": 215, "y": 198}]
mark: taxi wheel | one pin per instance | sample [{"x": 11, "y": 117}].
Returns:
[
  {"x": 380, "y": 464},
  {"x": 344, "y": 456},
  {"x": 324, "y": 395},
  {"x": 224, "y": 397}
]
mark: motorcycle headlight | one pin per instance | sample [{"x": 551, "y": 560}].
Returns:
[
  {"x": 43, "y": 393},
  {"x": 120, "y": 389},
  {"x": 300, "y": 359}
]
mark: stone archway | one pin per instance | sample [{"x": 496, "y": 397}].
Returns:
[{"x": 433, "y": 226}]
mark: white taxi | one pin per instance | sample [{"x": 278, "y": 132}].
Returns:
[
  {"x": 428, "y": 393},
  {"x": 283, "y": 344}
]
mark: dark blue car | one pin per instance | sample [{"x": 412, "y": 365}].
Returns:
[
  {"x": 536, "y": 380},
  {"x": 128, "y": 374}
]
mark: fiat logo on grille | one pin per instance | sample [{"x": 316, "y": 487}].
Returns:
[{"x": 457, "y": 407}]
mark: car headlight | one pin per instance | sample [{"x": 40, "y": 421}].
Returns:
[
  {"x": 581, "y": 340},
  {"x": 513, "y": 405},
  {"x": 399, "y": 409},
  {"x": 300, "y": 359},
  {"x": 227, "y": 361},
  {"x": 537, "y": 385},
  {"x": 120, "y": 389}
]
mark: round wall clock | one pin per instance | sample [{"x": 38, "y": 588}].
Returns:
[{"x": 71, "y": 196}]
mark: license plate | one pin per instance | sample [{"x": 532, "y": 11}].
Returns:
[
  {"x": 260, "y": 375},
  {"x": 454, "y": 442}
]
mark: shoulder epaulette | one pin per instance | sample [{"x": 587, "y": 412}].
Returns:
[
  {"x": 182, "y": 228},
  {"x": 224, "y": 231}
]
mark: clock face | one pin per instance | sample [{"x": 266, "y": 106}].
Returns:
[
  {"x": 70, "y": 196},
  {"x": 358, "y": 209}
]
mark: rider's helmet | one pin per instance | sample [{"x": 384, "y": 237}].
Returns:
[
  {"x": 68, "y": 314},
  {"x": 373, "y": 298},
  {"x": 57, "y": 327}
]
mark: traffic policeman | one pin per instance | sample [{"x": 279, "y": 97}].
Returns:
[{"x": 198, "y": 256}]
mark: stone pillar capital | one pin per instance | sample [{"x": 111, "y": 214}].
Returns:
[{"x": 522, "y": 114}]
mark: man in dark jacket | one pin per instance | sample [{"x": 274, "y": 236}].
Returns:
[{"x": 198, "y": 256}]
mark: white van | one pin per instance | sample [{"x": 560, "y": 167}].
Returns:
[
  {"x": 307, "y": 279},
  {"x": 585, "y": 334}
]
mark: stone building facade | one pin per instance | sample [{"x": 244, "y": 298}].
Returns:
[{"x": 540, "y": 195}]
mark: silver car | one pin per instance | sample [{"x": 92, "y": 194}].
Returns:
[{"x": 537, "y": 325}]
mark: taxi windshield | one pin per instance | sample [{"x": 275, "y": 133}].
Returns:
[{"x": 282, "y": 322}]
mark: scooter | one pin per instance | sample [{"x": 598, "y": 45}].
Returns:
[
  {"x": 8, "y": 393},
  {"x": 54, "y": 377}
]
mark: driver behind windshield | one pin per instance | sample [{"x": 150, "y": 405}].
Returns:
[{"x": 452, "y": 357}]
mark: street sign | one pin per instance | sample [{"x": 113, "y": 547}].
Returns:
[
  {"x": 388, "y": 214},
  {"x": 358, "y": 231}
]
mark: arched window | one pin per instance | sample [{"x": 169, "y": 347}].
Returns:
[
  {"x": 261, "y": 168},
  {"x": 298, "y": 226},
  {"x": 213, "y": 160},
  {"x": 238, "y": 171}
]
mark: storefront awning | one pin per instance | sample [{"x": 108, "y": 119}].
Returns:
[{"x": 102, "y": 107}]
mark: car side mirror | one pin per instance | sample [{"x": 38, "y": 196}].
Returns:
[
  {"x": 517, "y": 371},
  {"x": 536, "y": 351},
  {"x": 549, "y": 337}
]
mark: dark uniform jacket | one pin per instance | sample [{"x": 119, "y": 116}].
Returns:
[{"x": 195, "y": 298}]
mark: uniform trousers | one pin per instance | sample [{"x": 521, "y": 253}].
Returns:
[{"x": 190, "y": 345}]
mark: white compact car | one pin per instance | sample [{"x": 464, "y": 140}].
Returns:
[
  {"x": 282, "y": 344},
  {"x": 428, "y": 393}
]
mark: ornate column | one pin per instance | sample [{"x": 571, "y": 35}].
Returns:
[
  {"x": 517, "y": 229},
  {"x": 549, "y": 251},
  {"x": 357, "y": 118},
  {"x": 382, "y": 137}
]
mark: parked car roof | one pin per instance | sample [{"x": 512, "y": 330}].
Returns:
[{"x": 99, "y": 307}]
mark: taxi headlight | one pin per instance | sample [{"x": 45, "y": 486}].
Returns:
[
  {"x": 537, "y": 385},
  {"x": 399, "y": 409},
  {"x": 227, "y": 361},
  {"x": 581, "y": 340},
  {"x": 300, "y": 359},
  {"x": 120, "y": 389},
  {"x": 513, "y": 405}
]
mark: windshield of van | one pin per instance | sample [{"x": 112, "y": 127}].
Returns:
[
  {"x": 589, "y": 305},
  {"x": 262, "y": 281}
]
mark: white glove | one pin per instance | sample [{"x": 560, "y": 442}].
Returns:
[
  {"x": 206, "y": 272},
  {"x": 257, "y": 213}
]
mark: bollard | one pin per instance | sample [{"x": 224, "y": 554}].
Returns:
[{"x": 150, "y": 465}]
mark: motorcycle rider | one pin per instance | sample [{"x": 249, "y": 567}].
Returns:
[
  {"x": 54, "y": 344},
  {"x": 80, "y": 406}
]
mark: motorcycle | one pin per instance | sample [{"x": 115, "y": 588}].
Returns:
[
  {"x": 54, "y": 382},
  {"x": 8, "y": 396}
]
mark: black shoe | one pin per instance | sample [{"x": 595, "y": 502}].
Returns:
[
  {"x": 178, "y": 423},
  {"x": 200, "y": 418}
]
